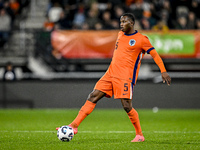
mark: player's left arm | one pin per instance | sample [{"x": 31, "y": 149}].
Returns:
[
  {"x": 146, "y": 46},
  {"x": 165, "y": 76}
]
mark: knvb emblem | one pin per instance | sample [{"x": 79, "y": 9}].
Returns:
[{"x": 132, "y": 42}]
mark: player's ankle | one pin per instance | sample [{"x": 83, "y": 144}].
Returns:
[
  {"x": 139, "y": 134},
  {"x": 74, "y": 125}
]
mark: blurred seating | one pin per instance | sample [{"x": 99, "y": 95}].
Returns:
[{"x": 148, "y": 13}]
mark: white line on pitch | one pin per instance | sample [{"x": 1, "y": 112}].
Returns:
[{"x": 164, "y": 132}]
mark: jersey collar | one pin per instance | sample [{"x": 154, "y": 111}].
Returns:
[{"x": 131, "y": 33}]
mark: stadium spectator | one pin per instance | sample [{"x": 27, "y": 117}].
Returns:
[
  {"x": 191, "y": 20},
  {"x": 64, "y": 22},
  {"x": 182, "y": 23},
  {"x": 137, "y": 25},
  {"x": 71, "y": 7},
  {"x": 115, "y": 24},
  {"x": 106, "y": 19},
  {"x": 104, "y": 5},
  {"x": 54, "y": 12},
  {"x": 93, "y": 15},
  {"x": 197, "y": 24},
  {"x": 195, "y": 7},
  {"x": 15, "y": 6},
  {"x": 5, "y": 27},
  {"x": 147, "y": 15},
  {"x": 9, "y": 73},
  {"x": 9, "y": 11},
  {"x": 137, "y": 9},
  {"x": 182, "y": 11},
  {"x": 145, "y": 24},
  {"x": 98, "y": 26},
  {"x": 94, "y": 7},
  {"x": 154, "y": 11},
  {"x": 79, "y": 17},
  {"x": 154, "y": 16},
  {"x": 167, "y": 6},
  {"x": 164, "y": 16},
  {"x": 51, "y": 3},
  {"x": 160, "y": 26},
  {"x": 118, "y": 12},
  {"x": 85, "y": 26},
  {"x": 48, "y": 25},
  {"x": 166, "y": 13}
]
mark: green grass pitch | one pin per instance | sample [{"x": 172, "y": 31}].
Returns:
[{"x": 168, "y": 129}]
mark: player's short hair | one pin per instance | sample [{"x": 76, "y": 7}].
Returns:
[{"x": 130, "y": 16}]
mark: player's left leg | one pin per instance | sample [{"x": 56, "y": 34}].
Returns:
[
  {"x": 134, "y": 118},
  {"x": 102, "y": 88},
  {"x": 87, "y": 108}
]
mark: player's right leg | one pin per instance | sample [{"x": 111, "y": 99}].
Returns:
[
  {"x": 123, "y": 90},
  {"x": 134, "y": 118}
]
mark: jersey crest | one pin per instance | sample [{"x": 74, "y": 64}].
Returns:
[{"x": 132, "y": 42}]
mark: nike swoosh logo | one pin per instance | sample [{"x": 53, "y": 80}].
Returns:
[{"x": 125, "y": 93}]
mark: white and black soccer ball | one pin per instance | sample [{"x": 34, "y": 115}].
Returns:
[{"x": 65, "y": 133}]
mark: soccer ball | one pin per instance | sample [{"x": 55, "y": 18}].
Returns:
[{"x": 65, "y": 133}]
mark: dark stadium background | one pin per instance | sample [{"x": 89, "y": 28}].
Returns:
[{"x": 42, "y": 81}]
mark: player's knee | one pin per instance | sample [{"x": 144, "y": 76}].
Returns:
[
  {"x": 127, "y": 108},
  {"x": 92, "y": 97}
]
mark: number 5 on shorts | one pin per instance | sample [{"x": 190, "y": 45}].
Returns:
[{"x": 125, "y": 86}]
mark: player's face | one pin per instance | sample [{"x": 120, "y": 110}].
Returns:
[{"x": 126, "y": 24}]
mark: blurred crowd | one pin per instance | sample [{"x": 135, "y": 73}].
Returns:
[
  {"x": 105, "y": 14},
  {"x": 9, "y": 10}
]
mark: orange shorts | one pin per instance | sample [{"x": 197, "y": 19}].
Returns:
[{"x": 115, "y": 86}]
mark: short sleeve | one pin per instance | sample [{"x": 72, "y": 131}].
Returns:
[{"x": 146, "y": 45}]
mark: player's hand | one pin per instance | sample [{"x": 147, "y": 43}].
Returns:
[{"x": 166, "y": 78}]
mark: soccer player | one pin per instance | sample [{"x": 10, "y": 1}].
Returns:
[{"x": 121, "y": 76}]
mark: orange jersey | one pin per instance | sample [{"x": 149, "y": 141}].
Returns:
[{"x": 127, "y": 56}]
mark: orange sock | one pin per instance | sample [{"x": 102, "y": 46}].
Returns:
[
  {"x": 133, "y": 116},
  {"x": 85, "y": 110}
]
